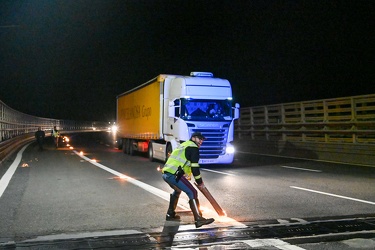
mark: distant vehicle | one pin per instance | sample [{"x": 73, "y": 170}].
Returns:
[{"x": 158, "y": 115}]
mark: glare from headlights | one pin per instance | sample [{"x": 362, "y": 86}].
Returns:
[
  {"x": 114, "y": 128},
  {"x": 230, "y": 149}
]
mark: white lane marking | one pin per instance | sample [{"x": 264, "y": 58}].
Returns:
[
  {"x": 334, "y": 195},
  {"x": 218, "y": 172},
  {"x": 304, "y": 169},
  {"x": 272, "y": 243},
  {"x": 11, "y": 170},
  {"x": 83, "y": 235},
  {"x": 292, "y": 221},
  {"x": 257, "y": 243},
  {"x": 162, "y": 194}
]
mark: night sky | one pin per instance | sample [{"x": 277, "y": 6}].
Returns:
[{"x": 69, "y": 59}]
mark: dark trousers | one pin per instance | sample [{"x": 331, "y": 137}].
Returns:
[{"x": 40, "y": 143}]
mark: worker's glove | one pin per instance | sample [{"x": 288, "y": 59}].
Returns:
[{"x": 187, "y": 176}]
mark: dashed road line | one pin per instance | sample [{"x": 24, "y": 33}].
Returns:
[
  {"x": 218, "y": 172},
  {"x": 304, "y": 169},
  {"x": 333, "y": 195}
]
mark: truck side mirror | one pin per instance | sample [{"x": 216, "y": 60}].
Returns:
[{"x": 236, "y": 111}]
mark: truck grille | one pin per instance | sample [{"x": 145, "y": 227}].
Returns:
[{"x": 215, "y": 143}]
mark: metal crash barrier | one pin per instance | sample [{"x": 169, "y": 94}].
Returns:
[
  {"x": 340, "y": 129},
  {"x": 17, "y": 128}
]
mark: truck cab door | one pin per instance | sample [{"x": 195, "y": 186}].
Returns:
[{"x": 174, "y": 109}]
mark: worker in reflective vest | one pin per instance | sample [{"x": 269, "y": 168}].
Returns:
[
  {"x": 177, "y": 172},
  {"x": 56, "y": 135}
]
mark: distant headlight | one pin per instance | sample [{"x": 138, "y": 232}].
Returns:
[
  {"x": 114, "y": 128},
  {"x": 230, "y": 149}
]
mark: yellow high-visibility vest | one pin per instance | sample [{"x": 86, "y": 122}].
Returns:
[
  {"x": 55, "y": 133},
  {"x": 177, "y": 158}
]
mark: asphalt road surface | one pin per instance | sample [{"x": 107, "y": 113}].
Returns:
[{"x": 93, "y": 196}]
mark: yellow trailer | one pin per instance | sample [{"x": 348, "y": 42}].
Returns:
[
  {"x": 139, "y": 111},
  {"x": 138, "y": 116}
]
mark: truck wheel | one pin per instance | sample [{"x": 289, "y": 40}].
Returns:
[
  {"x": 119, "y": 143},
  {"x": 124, "y": 146},
  {"x": 131, "y": 150},
  {"x": 127, "y": 146},
  {"x": 150, "y": 152},
  {"x": 168, "y": 151}
]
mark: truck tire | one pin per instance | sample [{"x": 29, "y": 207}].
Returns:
[
  {"x": 119, "y": 143},
  {"x": 124, "y": 146},
  {"x": 150, "y": 152},
  {"x": 128, "y": 146},
  {"x": 131, "y": 149}
]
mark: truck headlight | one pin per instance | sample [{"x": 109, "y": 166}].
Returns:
[{"x": 230, "y": 149}]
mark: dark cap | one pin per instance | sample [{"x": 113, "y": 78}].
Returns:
[{"x": 199, "y": 135}]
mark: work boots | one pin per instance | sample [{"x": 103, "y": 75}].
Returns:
[
  {"x": 199, "y": 208},
  {"x": 199, "y": 220},
  {"x": 171, "y": 214}
]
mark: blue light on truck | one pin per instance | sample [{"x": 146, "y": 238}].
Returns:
[{"x": 202, "y": 74}]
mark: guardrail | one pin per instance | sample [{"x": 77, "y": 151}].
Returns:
[
  {"x": 9, "y": 146},
  {"x": 340, "y": 129},
  {"x": 17, "y": 128},
  {"x": 346, "y": 120}
]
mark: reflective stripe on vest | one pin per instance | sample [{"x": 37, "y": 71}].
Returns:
[{"x": 177, "y": 158}]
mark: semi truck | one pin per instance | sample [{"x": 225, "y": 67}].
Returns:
[{"x": 158, "y": 115}]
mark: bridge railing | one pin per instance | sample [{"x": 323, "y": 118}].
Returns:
[
  {"x": 17, "y": 128},
  {"x": 14, "y": 123},
  {"x": 338, "y": 120}
]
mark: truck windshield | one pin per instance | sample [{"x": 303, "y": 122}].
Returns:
[{"x": 198, "y": 110}]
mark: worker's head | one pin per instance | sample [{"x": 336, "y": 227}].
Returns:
[{"x": 198, "y": 138}]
